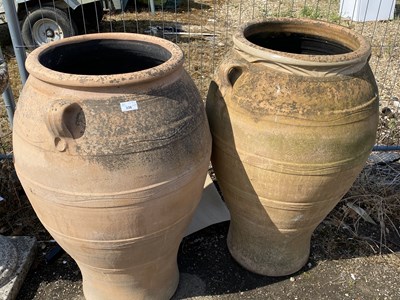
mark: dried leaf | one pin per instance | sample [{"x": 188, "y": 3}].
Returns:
[{"x": 361, "y": 212}]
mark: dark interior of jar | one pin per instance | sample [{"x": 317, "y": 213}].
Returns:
[
  {"x": 297, "y": 43},
  {"x": 104, "y": 57}
]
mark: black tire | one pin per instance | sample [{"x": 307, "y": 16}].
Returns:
[{"x": 46, "y": 24}]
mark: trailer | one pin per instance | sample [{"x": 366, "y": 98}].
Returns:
[{"x": 44, "y": 21}]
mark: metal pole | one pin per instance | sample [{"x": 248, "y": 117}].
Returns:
[
  {"x": 6, "y": 156},
  {"x": 15, "y": 33},
  {"x": 386, "y": 148},
  {"x": 7, "y": 93},
  {"x": 152, "y": 7},
  {"x": 9, "y": 103}
]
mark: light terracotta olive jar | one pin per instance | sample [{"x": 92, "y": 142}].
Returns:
[
  {"x": 112, "y": 147},
  {"x": 293, "y": 112}
]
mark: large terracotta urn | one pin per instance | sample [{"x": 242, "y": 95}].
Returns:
[
  {"x": 293, "y": 112},
  {"x": 112, "y": 147}
]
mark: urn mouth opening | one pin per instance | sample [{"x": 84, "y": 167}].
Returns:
[
  {"x": 303, "y": 42},
  {"x": 104, "y": 57},
  {"x": 105, "y": 60},
  {"x": 297, "y": 43}
]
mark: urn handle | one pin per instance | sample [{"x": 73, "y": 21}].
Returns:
[
  {"x": 229, "y": 74},
  {"x": 66, "y": 122}
]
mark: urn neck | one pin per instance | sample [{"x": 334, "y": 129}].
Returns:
[
  {"x": 105, "y": 60},
  {"x": 303, "y": 47}
]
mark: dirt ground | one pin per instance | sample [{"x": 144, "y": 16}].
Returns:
[{"x": 338, "y": 268}]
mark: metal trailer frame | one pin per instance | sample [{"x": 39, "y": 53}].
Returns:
[
  {"x": 43, "y": 21},
  {"x": 20, "y": 5}
]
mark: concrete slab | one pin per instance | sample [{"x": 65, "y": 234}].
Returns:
[
  {"x": 16, "y": 256},
  {"x": 211, "y": 209}
]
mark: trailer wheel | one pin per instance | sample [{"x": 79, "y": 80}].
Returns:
[{"x": 46, "y": 24}]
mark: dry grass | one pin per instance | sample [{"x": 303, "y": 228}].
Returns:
[{"x": 371, "y": 209}]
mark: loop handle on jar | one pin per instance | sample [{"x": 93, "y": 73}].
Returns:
[
  {"x": 64, "y": 121},
  {"x": 229, "y": 74}
]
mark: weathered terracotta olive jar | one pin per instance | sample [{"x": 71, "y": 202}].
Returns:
[
  {"x": 293, "y": 113},
  {"x": 112, "y": 146}
]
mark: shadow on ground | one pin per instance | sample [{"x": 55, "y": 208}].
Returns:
[{"x": 208, "y": 271}]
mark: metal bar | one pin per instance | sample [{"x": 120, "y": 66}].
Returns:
[
  {"x": 6, "y": 156},
  {"x": 386, "y": 148},
  {"x": 9, "y": 103},
  {"x": 136, "y": 18},
  {"x": 202, "y": 47},
  {"x": 189, "y": 38},
  {"x": 15, "y": 33},
  {"x": 152, "y": 7},
  {"x": 266, "y": 9},
  {"x": 122, "y": 16},
  {"x": 8, "y": 96}
]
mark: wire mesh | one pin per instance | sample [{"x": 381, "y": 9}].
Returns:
[{"x": 203, "y": 29}]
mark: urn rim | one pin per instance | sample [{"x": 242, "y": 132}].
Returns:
[
  {"x": 162, "y": 70},
  {"x": 357, "y": 56}
]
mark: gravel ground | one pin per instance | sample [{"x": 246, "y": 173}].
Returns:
[{"x": 337, "y": 269}]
